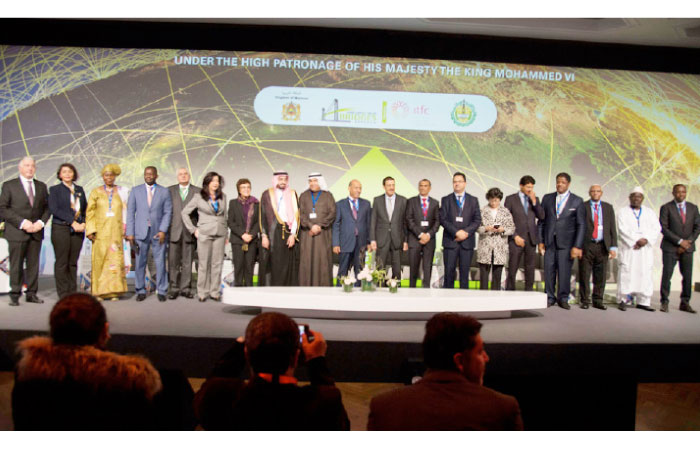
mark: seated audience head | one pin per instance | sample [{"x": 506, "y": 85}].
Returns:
[
  {"x": 452, "y": 342},
  {"x": 79, "y": 319},
  {"x": 272, "y": 343}
]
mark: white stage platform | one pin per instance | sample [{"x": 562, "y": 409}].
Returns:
[{"x": 406, "y": 304}]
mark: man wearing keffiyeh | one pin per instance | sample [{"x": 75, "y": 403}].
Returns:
[
  {"x": 317, "y": 214},
  {"x": 279, "y": 226}
]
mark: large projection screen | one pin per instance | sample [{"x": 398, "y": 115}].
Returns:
[{"x": 247, "y": 114}]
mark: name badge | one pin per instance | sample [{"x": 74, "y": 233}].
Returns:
[
  {"x": 109, "y": 214},
  {"x": 424, "y": 223},
  {"x": 312, "y": 215},
  {"x": 459, "y": 219}
]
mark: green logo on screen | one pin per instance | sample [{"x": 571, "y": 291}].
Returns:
[{"x": 463, "y": 114}]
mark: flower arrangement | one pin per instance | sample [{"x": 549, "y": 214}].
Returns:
[
  {"x": 366, "y": 277},
  {"x": 393, "y": 285},
  {"x": 347, "y": 281}
]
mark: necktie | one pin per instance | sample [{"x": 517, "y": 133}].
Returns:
[
  {"x": 681, "y": 209},
  {"x": 354, "y": 215},
  {"x": 183, "y": 194},
  {"x": 425, "y": 209},
  {"x": 31, "y": 194},
  {"x": 150, "y": 195},
  {"x": 526, "y": 205},
  {"x": 391, "y": 207},
  {"x": 595, "y": 222}
]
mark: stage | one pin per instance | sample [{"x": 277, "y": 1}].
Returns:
[{"x": 551, "y": 359}]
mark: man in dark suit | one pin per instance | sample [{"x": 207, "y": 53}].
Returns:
[
  {"x": 451, "y": 395},
  {"x": 387, "y": 231},
  {"x": 525, "y": 208},
  {"x": 599, "y": 245},
  {"x": 680, "y": 225},
  {"x": 561, "y": 239},
  {"x": 182, "y": 243},
  {"x": 24, "y": 206},
  {"x": 460, "y": 216},
  {"x": 351, "y": 230},
  {"x": 422, "y": 223}
]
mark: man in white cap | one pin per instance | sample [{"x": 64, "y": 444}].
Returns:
[
  {"x": 638, "y": 233},
  {"x": 316, "y": 216}
]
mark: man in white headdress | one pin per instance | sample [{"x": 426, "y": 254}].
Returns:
[
  {"x": 638, "y": 233},
  {"x": 316, "y": 216}
]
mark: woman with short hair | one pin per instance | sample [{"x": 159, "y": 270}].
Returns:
[
  {"x": 68, "y": 205},
  {"x": 492, "y": 251}
]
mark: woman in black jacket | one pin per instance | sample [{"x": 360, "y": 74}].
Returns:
[{"x": 67, "y": 204}]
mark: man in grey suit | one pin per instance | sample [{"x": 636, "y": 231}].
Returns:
[
  {"x": 24, "y": 206},
  {"x": 182, "y": 242},
  {"x": 148, "y": 215},
  {"x": 387, "y": 231}
]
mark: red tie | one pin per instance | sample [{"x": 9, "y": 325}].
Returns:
[
  {"x": 595, "y": 223},
  {"x": 682, "y": 211},
  {"x": 425, "y": 209}
]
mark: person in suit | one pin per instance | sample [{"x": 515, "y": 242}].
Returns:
[
  {"x": 271, "y": 398},
  {"x": 422, "y": 224},
  {"x": 182, "y": 243},
  {"x": 460, "y": 217},
  {"x": 68, "y": 205},
  {"x": 451, "y": 395},
  {"x": 387, "y": 231},
  {"x": 24, "y": 206},
  {"x": 680, "y": 225},
  {"x": 351, "y": 230},
  {"x": 244, "y": 223},
  {"x": 599, "y": 245},
  {"x": 149, "y": 211},
  {"x": 561, "y": 239},
  {"x": 492, "y": 254},
  {"x": 526, "y": 210},
  {"x": 211, "y": 232}
]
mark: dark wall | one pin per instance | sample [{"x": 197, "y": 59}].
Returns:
[{"x": 200, "y": 36}]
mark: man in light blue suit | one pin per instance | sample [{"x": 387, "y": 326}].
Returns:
[
  {"x": 351, "y": 229},
  {"x": 148, "y": 215}
]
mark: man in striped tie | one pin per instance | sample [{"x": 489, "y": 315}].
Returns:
[{"x": 680, "y": 225}]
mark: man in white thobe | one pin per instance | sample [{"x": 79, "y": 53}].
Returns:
[{"x": 638, "y": 231}]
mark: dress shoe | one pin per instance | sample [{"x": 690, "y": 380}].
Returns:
[
  {"x": 31, "y": 298},
  {"x": 686, "y": 307},
  {"x": 173, "y": 295},
  {"x": 14, "y": 301},
  {"x": 564, "y": 305},
  {"x": 584, "y": 305},
  {"x": 664, "y": 307},
  {"x": 597, "y": 305},
  {"x": 188, "y": 294},
  {"x": 550, "y": 304},
  {"x": 646, "y": 308},
  {"x": 140, "y": 297},
  {"x": 621, "y": 306},
  {"x": 215, "y": 299},
  {"x": 161, "y": 297},
  {"x": 203, "y": 299}
]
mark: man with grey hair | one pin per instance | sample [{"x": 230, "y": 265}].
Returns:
[
  {"x": 24, "y": 206},
  {"x": 182, "y": 243},
  {"x": 639, "y": 230},
  {"x": 599, "y": 245}
]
